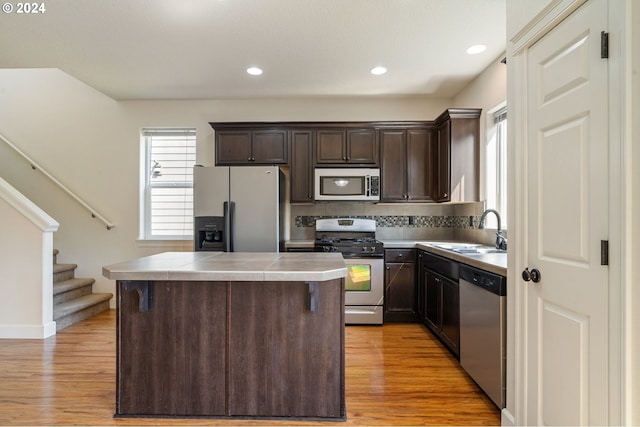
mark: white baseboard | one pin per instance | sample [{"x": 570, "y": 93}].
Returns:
[
  {"x": 507, "y": 419},
  {"x": 28, "y": 331}
]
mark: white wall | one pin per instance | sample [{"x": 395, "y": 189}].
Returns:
[
  {"x": 489, "y": 92},
  {"x": 26, "y": 280},
  {"x": 633, "y": 291},
  {"x": 520, "y": 13},
  {"x": 91, "y": 143}
]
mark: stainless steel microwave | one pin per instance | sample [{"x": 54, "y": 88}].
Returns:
[{"x": 347, "y": 184}]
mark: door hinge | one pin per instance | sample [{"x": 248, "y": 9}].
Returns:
[
  {"x": 604, "y": 44},
  {"x": 604, "y": 252}
]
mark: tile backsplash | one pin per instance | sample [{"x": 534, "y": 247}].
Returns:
[{"x": 398, "y": 221}]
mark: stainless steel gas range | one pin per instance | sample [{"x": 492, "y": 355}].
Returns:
[{"x": 355, "y": 239}]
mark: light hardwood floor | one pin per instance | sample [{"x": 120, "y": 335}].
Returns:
[{"x": 397, "y": 374}]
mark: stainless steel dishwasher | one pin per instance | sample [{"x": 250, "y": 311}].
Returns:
[{"x": 483, "y": 330}]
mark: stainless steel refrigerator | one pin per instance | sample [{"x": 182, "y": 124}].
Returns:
[{"x": 238, "y": 209}]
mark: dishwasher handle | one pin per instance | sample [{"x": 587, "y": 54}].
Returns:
[{"x": 491, "y": 282}]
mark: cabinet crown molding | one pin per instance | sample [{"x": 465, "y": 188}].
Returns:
[
  {"x": 458, "y": 113},
  {"x": 322, "y": 125}
]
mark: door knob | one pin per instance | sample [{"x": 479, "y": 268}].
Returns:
[{"x": 531, "y": 276}]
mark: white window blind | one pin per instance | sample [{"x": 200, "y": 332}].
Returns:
[
  {"x": 497, "y": 165},
  {"x": 170, "y": 155}
]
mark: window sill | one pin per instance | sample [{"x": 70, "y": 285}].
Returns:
[{"x": 164, "y": 243}]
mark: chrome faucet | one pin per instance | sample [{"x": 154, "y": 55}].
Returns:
[{"x": 501, "y": 241}]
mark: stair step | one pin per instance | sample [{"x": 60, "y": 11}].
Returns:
[
  {"x": 69, "y": 312},
  {"x": 73, "y": 298},
  {"x": 63, "y": 272},
  {"x": 66, "y": 290}
]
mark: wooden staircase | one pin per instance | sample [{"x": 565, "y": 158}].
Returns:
[{"x": 73, "y": 298}]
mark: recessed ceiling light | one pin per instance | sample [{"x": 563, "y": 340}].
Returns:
[
  {"x": 475, "y": 49},
  {"x": 377, "y": 71},
  {"x": 254, "y": 71}
]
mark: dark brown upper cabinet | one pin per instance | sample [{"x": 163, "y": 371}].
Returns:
[
  {"x": 301, "y": 169},
  {"x": 408, "y": 165},
  {"x": 442, "y": 171},
  {"x": 343, "y": 147},
  {"x": 420, "y": 161},
  {"x": 459, "y": 135},
  {"x": 247, "y": 147}
]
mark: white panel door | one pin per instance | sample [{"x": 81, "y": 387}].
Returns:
[{"x": 567, "y": 209}]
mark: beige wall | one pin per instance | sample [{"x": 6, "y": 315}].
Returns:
[
  {"x": 91, "y": 144},
  {"x": 489, "y": 92},
  {"x": 25, "y": 280},
  {"x": 633, "y": 291}
]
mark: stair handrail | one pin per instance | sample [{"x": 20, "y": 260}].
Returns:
[{"x": 35, "y": 166}]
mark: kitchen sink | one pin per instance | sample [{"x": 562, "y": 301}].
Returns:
[
  {"x": 479, "y": 251},
  {"x": 469, "y": 248}
]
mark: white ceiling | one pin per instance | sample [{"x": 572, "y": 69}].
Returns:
[{"x": 200, "y": 49}]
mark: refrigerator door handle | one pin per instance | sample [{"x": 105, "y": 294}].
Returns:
[
  {"x": 227, "y": 226},
  {"x": 230, "y": 225}
]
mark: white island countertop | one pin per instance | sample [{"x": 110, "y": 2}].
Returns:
[{"x": 231, "y": 266}]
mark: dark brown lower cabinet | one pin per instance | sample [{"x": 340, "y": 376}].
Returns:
[
  {"x": 230, "y": 349},
  {"x": 439, "y": 305},
  {"x": 399, "y": 285}
]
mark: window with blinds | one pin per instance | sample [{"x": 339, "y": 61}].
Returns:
[
  {"x": 169, "y": 157},
  {"x": 496, "y": 165}
]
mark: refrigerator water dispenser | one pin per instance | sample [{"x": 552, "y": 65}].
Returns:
[{"x": 209, "y": 233}]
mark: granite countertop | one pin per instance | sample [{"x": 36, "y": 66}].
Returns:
[
  {"x": 493, "y": 262},
  {"x": 231, "y": 266}
]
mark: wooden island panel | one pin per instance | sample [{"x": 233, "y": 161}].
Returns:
[
  {"x": 285, "y": 356},
  {"x": 171, "y": 358},
  {"x": 230, "y": 349}
]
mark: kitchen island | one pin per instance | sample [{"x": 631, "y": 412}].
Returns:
[{"x": 238, "y": 335}]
